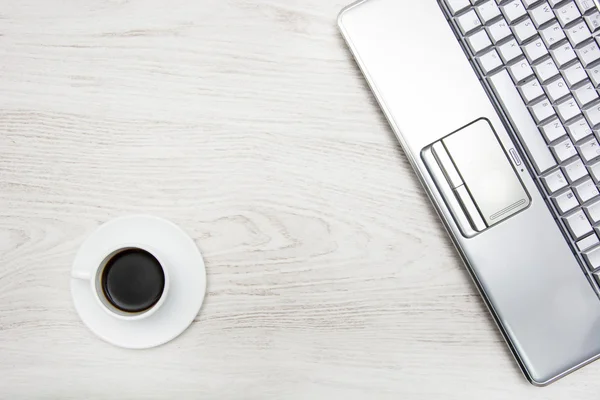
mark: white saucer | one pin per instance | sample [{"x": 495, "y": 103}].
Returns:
[{"x": 186, "y": 290}]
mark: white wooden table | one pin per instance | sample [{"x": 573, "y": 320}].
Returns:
[{"x": 248, "y": 124}]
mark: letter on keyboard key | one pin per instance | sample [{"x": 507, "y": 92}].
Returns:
[
  {"x": 524, "y": 30},
  {"x": 585, "y": 94},
  {"x": 488, "y": 11},
  {"x": 567, "y": 109},
  {"x": 563, "y": 150},
  {"x": 592, "y": 114},
  {"x": 593, "y": 211},
  {"x": 579, "y": 129},
  {"x": 541, "y": 14},
  {"x": 511, "y": 50},
  {"x": 552, "y": 34},
  {"x": 553, "y": 130},
  {"x": 592, "y": 258},
  {"x": 556, "y": 89},
  {"x": 531, "y": 90},
  {"x": 535, "y": 50},
  {"x": 499, "y": 30},
  {"x": 589, "y": 149},
  {"x": 521, "y": 120},
  {"x": 578, "y": 224},
  {"x": 542, "y": 109},
  {"x": 513, "y": 10},
  {"x": 563, "y": 54},
  {"x": 574, "y": 74},
  {"x": 546, "y": 70},
  {"x": 520, "y": 71}
]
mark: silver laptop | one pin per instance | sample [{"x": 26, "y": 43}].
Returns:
[{"x": 495, "y": 103}]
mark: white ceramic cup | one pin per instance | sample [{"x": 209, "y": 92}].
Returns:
[{"x": 95, "y": 278}]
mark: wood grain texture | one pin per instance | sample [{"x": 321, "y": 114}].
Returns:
[{"x": 247, "y": 123}]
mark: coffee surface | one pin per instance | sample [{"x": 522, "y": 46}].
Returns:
[{"x": 133, "y": 280}]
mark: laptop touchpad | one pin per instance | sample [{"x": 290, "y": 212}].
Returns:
[{"x": 484, "y": 186}]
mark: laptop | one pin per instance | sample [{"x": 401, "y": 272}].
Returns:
[{"x": 496, "y": 104}]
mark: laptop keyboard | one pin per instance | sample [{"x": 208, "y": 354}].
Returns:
[{"x": 540, "y": 60}]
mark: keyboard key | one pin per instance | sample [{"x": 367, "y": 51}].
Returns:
[
  {"x": 546, "y": 70},
  {"x": 588, "y": 242},
  {"x": 489, "y": 61},
  {"x": 553, "y": 130},
  {"x": 563, "y": 54},
  {"x": 567, "y": 13},
  {"x": 592, "y": 115},
  {"x": 556, "y": 89},
  {"x": 593, "y": 211},
  {"x": 565, "y": 201},
  {"x": 585, "y": 5},
  {"x": 542, "y": 109},
  {"x": 535, "y": 50},
  {"x": 531, "y": 90},
  {"x": 585, "y": 94},
  {"x": 468, "y": 22},
  {"x": 574, "y": 74},
  {"x": 578, "y": 33},
  {"x": 585, "y": 190},
  {"x": 524, "y": 125},
  {"x": 593, "y": 21},
  {"x": 589, "y": 149},
  {"x": 592, "y": 258},
  {"x": 577, "y": 224},
  {"x": 513, "y": 10},
  {"x": 479, "y": 41},
  {"x": 524, "y": 30},
  {"x": 588, "y": 53},
  {"x": 567, "y": 109},
  {"x": 554, "y": 181},
  {"x": 520, "y": 71},
  {"x": 552, "y": 34},
  {"x": 574, "y": 169},
  {"x": 553, "y": 3},
  {"x": 594, "y": 169},
  {"x": 457, "y": 5},
  {"x": 563, "y": 149},
  {"x": 511, "y": 50},
  {"x": 594, "y": 74},
  {"x": 542, "y": 14},
  {"x": 498, "y": 30},
  {"x": 579, "y": 129},
  {"x": 488, "y": 11}
]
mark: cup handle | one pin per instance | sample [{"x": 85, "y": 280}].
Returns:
[{"x": 82, "y": 275}]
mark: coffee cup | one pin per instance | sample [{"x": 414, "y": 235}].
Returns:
[{"x": 130, "y": 282}]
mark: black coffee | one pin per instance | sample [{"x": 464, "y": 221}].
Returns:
[{"x": 133, "y": 280}]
